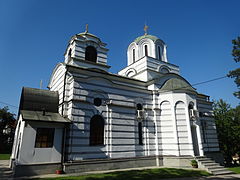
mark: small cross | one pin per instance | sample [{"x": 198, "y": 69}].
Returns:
[
  {"x": 145, "y": 29},
  {"x": 86, "y": 31}
]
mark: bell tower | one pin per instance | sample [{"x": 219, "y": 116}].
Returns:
[
  {"x": 87, "y": 50},
  {"x": 147, "y": 58}
]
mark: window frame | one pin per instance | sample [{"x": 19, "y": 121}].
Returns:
[
  {"x": 44, "y": 138},
  {"x": 96, "y": 136}
]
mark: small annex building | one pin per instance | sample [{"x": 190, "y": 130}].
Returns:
[{"x": 91, "y": 119}]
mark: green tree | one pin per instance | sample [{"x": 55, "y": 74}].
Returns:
[
  {"x": 236, "y": 73},
  {"x": 7, "y": 127},
  {"x": 228, "y": 129}
]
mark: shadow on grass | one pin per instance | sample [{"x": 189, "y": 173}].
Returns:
[{"x": 149, "y": 174}]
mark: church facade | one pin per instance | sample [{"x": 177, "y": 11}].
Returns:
[{"x": 146, "y": 115}]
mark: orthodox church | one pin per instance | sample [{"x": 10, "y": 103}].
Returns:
[{"x": 91, "y": 119}]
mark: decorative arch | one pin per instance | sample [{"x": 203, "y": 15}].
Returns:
[
  {"x": 132, "y": 53},
  {"x": 165, "y": 107},
  {"x": 164, "y": 69},
  {"x": 131, "y": 72},
  {"x": 96, "y": 131},
  {"x": 181, "y": 125},
  {"x": 150, "y": 47}
]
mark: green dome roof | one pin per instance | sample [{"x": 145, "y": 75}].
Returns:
[{"x": 154, "y": 38}]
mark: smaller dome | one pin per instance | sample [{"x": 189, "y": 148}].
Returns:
[{"x": 154, "y": 38}]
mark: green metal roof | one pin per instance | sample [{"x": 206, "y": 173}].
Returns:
[
  {"x": 154, "y": 38},
  {"x": 176, "y": 84}
]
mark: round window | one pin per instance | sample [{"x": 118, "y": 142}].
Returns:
[{"x": 97, "y": 102}]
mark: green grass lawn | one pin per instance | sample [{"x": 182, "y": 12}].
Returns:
[
  {"x": 235, "y": 169},
  {"x": 5, "y": 156},
  {"x": 147, "y": 174}
]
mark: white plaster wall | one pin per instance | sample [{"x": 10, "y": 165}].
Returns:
[{"x": 28, "y": 154}]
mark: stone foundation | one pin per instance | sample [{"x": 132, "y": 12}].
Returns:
[{"x": 35, "y": 169}]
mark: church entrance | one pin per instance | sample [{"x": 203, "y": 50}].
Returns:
[{"x": 195, "y": 140}]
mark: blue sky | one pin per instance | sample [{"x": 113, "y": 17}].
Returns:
[{"x": 35, "y": 33}]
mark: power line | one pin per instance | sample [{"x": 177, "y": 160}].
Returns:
[
  {"x": 204, "y": 82},
  {"x": 215, "y": 79},
  {"x": 8, "y": 104}
]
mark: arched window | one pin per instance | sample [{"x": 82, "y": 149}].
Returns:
[
  {"x": 159, "y": 53},
  {"x": 146, "y": 50},
  {"x": 139, "y": 106},
  {"x": 133, "y": 53},
  {"x": 91, "y": 54},
  {"x": 96, "y": 130},
  {"x": 70, "y": 52}
]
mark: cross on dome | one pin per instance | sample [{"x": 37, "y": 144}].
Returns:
[{"x": 145, "y": 29}]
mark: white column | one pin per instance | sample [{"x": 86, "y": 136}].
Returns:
[
  {"x": 200, "y": 145},
  {"x": 156, "y": 128}
]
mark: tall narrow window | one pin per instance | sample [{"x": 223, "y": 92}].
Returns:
[
  {"x": 70, "y": 52},
  {"x": 140, "y": 139},
  {"x": 203, "y": 124},
  {"x": 96, "y": 130},
  {"x": 146, "y": 50},
  {"x": 159, "y": 53},
  {"x": 91, "y": 54},
  {"x": 133, "y": 53}
]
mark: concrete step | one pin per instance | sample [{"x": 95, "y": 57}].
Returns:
[
  {"x": 211, "y": 166},
  {"x": 222, "y": 172},
  {"x": 204, "y": 159}
]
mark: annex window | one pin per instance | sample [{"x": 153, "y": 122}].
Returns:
[
  {"x": 91, "y": 54},
  {"x": 133, "y": 53},
  {"x": 44, "y": 138},
  {"x": 96, "y": 130},
  {"x": 146, "y": 50}
]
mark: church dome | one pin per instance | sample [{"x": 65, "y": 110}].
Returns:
[
  {"x": 148, "y": 36},
  {"x": 146, "y": 46}
]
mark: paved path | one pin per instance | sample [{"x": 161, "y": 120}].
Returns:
[
  {"x": 6, "y": 174},
  {"x": 5, "y": 171}
]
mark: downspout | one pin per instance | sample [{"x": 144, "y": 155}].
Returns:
[
  {"x": 64, "y": 129},
  {"x": 64, "y": 89}
]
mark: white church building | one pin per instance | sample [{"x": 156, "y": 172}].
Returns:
[{"x": 91, "y": 119}]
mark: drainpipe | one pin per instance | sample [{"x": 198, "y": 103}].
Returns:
[
  {"x": 64, "y": 89},
  {"x": 65, "y": 126}
]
